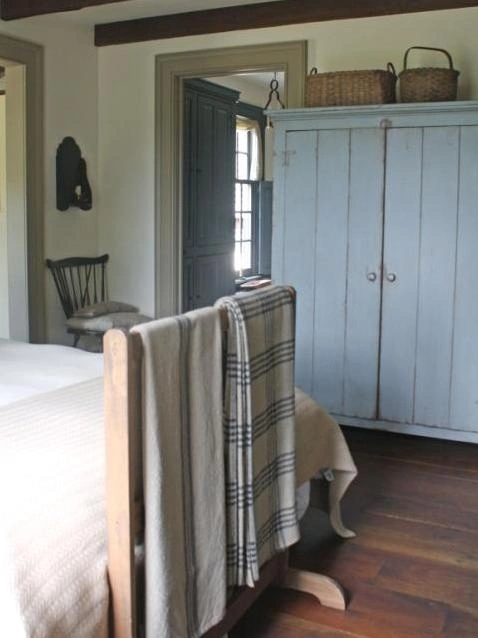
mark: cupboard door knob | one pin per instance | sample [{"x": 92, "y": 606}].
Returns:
[
  {"x": 372, "y": 276},
  {"x": 391, "y": 277}
]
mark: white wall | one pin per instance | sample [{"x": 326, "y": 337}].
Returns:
[
  {"x": 126, "y": 113},
  {"x": 4, "y": 323},
  {"x": 71, "y": 99},
  {"x": 251, "y": 91}
]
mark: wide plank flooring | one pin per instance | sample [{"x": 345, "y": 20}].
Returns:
[{"x": 412, "y": 570}]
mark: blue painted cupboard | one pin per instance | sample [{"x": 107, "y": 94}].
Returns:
[{"x": 375, "y": 223}]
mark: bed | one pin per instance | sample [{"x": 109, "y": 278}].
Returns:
[
  {"x": 29, "y": 369},
  {"x": 52, "y": 422}
]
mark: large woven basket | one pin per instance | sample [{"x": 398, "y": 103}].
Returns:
[
  {"x": 349, "y": 88},
  {"x": 428, "y": 84}
]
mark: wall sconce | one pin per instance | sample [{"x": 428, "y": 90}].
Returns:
[{"x": 72, "y": 186}]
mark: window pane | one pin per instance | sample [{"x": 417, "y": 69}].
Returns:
[
  {"x": 238, "y": 228},
  {"x": 246, "y": 197},
  {"x": 238, "y": 198},
  {"x": 255, "y": 168},
  {"x": 242, "y": 166},
  {"x": 242, "y": 141},
  {"x": 246, "y": 226},
  {"x": 246, "y": 255},
  {"x": 237, "y": 257}
]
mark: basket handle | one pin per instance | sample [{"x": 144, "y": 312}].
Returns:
[
  {"x": 391, "y": 69},
  {"x": 450, "y": 61}
]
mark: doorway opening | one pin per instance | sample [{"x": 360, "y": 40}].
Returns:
[
  {"x": 13, "y": 207},
  {"x": 22, "y": 271},
  {"x": 4, "y": 303},
  {"x": 171, "y": 72},
  {"x": 227, "y": 185}
]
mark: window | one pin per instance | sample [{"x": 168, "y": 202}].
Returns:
[
  {"x": 247, "y": 174},
  {"x": 243, "y": 236}
]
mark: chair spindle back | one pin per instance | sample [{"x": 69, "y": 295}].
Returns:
[{"x": 80, "y": 281}]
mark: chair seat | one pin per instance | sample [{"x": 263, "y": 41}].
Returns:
[
  {"x": 103, "y": 308},
  {"x": 104, "y": 322}
]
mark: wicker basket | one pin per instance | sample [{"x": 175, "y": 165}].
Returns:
[
  {"x": 429, "y": 84},
  {"x": 348, "y": 88}
]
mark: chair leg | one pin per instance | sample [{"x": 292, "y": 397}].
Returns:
[
  {"x": 320, "y": 498},
  {"x": 76, "y": 338}
]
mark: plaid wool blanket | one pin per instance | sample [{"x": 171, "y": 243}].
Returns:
[{"x": 259, "y": 430}]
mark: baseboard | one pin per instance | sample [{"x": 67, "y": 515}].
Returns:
[{"x": 434, "y": 432}]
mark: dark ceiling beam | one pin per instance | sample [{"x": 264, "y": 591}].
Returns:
[
  {"x": 15, "y": 9},
  {"x": 264, "y": 14}
]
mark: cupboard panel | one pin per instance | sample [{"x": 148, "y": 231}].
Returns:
[
  {"x": 464, "y": 381},
  {"x": 436, "y": 275},
  {"x": 188, "y": 284},
  {"x": 299, "y": 243},
  {"x": 189, "y": 169},
  {"x": 333, "y": 177},
  {"x": 215, "y": 174},
  {"x": 401, "y": 256},
  {"x": 364, "y": 254}
]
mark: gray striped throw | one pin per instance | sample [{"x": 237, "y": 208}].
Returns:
[{"x": 259, "y": 430}]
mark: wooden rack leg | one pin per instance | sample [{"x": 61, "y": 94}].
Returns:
[{"x": 328, "y": 592}]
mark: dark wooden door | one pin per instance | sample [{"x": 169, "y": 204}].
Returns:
[{"x": 208, "y": 193}]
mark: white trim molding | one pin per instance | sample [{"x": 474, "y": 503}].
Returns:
[
  {"x": 171, "y": 70},
  {"x": 429, "y": 431}
]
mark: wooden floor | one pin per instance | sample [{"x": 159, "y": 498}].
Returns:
[{"x": 412, "y": 571}]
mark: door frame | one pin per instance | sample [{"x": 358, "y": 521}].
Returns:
[
  {"x": 31, "y": 56},
  {"x": 171, "y": 70}
]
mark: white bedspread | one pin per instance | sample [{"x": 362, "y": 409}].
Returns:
[
  {"x": 27, "y": 369},
  {"x": 52, "y": 525}
]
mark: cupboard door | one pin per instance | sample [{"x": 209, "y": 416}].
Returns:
[
  {"x": 332, "y": 233},
  {"x": 419, "y": 274},
  {"x": 214, "y": 222},
  {"x": 208, "y": 194},
  {"x": 464, "y": 374}
]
